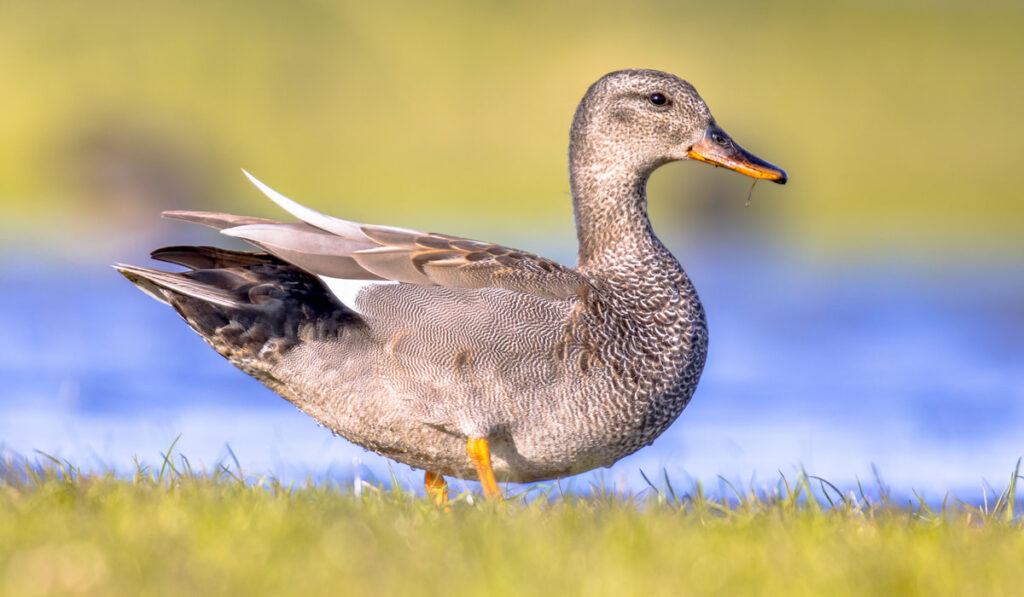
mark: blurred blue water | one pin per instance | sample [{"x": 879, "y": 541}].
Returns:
[{"x": 919, "y": 371}]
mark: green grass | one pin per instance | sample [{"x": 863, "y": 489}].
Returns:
[{"x": 175, "y": 531}]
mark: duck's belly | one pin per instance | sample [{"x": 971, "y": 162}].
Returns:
[{"x": 543, "y": 419}]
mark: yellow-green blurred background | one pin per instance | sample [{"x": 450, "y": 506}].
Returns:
[{"x": 900, "y": 123}]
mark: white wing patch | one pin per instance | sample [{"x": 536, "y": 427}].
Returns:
[{"x": 347, "y": 291}]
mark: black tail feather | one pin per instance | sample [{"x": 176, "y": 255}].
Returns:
[
  {"x": 211, "y": 257},
  {"x": 251, "y": 307}
]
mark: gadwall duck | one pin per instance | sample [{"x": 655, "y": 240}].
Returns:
[{"x": 466, "y": 358}]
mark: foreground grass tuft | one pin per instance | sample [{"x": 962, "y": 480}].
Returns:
[{"x": 172, "y": 531}]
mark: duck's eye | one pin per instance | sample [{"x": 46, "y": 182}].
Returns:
[{"x": 658, "y": 99}]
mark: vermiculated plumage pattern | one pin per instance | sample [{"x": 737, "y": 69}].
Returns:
[{"x": 560, "y": 369}]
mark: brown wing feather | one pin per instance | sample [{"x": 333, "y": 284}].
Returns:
[
  {"x": 328, "y": 246},
  {"x": 220, "y": 221},
  {"x": 444, "y": 260}
]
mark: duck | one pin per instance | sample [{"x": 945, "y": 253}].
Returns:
[{"x": 465, "y": 358}]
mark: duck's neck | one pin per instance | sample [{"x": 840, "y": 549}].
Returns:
[{"x": 610, "y": 205}]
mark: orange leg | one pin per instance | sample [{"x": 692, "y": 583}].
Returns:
[
  {"x": 437, "y": 488},
  {"x": 480, "y": 455}
]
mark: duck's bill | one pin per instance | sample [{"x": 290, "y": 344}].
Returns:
[{"x": 719, "y": 149}]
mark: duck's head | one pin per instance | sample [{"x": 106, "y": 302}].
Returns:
[{"x": 641, "y": 119}]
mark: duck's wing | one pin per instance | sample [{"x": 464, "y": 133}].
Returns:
[{"x": 337, "y": 248}]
